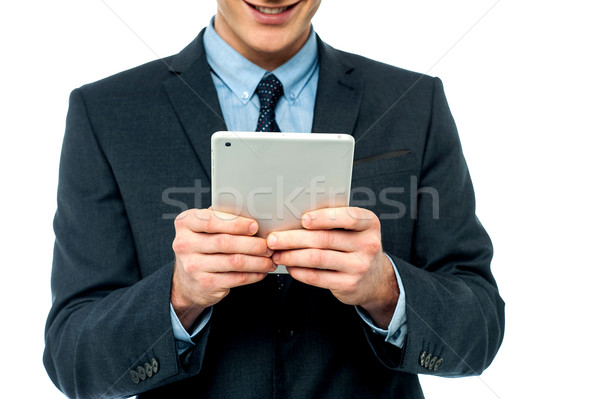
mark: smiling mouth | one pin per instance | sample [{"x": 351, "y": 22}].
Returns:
[{"x": 271, "y": 10}]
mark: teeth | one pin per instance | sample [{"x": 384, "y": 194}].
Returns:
[{"x": 271, "y": 10}]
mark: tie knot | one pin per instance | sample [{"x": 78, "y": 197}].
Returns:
[{"x": 269, "y": 91}]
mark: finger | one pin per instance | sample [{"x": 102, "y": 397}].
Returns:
[
  {"x": 231, "y": 244},
  {"x": 187, "y": 242},
  {"x": 317, "y": 259},
  {"x": 239, "y": 279},
  {"x": 327, "y": 279},
  {"x": 225, "y": 263},
  {"x": 227, "y": 280},
  {"x": 338, "y": 240},
  {"x": 348, "y": 218},
  {"x": 209, "y": 221}
]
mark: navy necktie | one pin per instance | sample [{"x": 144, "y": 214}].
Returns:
[{"x": 269, "y": 91}]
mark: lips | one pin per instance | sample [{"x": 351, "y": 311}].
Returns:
[
  {"x": 271, "y": 10},
  {"x": 274, "y": 16}
]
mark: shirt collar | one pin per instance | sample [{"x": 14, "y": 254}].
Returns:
[{"x": 242, "y": 76}]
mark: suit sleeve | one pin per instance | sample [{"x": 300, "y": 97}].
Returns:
[
  {"x": 455, "y": 316},
  {"x": 109, "y": 331}
]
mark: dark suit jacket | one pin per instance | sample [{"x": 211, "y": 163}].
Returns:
[{"x": 136, "y": 152}]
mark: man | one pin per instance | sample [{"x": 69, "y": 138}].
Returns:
[{"x": 396, "y": 285}]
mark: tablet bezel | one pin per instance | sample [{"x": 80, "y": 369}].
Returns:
[{"x": 289, "y": 173}]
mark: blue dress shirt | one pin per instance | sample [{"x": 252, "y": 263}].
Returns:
[{"x": 236, "y": 79}]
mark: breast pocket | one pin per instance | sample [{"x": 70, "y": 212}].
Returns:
[
  {"x": 384, "y": 163},
  {"x": 383, "y": 183}
]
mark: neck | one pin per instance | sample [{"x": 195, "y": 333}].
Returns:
[{"x": 268, "y": 61}]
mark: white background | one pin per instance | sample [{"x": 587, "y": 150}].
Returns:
[{"x": 522, "y": 80}]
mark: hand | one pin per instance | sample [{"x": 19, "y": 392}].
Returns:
[
  {"x": 214, "y": 252},
  {"x": 340, "y": 249}
]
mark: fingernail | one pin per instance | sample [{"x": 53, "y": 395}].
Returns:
[
  {"x": 274, "y": 267},
  {"x": 270, "y": 252},
  {"x": 276, "y": 256},
  {"x": 272, "y": 240},
  {"x": 253, "y": 227},
  {"x": 306, "y": 220}
]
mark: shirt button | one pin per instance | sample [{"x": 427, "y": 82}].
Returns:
[
  {"x": 245, "y": 95},
  {"x": 286, "y": 333}
]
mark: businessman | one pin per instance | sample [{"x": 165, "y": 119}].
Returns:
[{"x": 397, "y": 284}]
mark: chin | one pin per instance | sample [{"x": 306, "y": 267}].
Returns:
[{"x": 272, "y": 42}]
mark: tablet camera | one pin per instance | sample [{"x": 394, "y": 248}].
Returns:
[{"x": 228, "y": 144}]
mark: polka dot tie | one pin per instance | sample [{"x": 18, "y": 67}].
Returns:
[{"x": 269, "y": 91}]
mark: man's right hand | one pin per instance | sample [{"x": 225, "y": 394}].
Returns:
[{"x": 214, "y": 252}]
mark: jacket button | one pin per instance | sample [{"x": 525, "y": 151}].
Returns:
[
  {"x": 134, "y": 377},
  {"x": 438, "y": 364},
  {"x": 148, "y": 369},
  {"x": 422, "y": 359},
  {"x": 432, "y": 362},
  {"x": 427, "y": 360},
  {"x": 141, "y": 373},
  {"x": 154, "y": 364}
]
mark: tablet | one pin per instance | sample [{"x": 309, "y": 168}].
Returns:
[{"x": 274, "y": 178}]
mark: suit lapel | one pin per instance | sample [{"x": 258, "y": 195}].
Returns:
[
  {"x": 339, "y": 93},
  {"x": 194, "y": 98}
]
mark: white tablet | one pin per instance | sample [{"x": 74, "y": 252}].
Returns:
[{"x": 274, "y": 178}]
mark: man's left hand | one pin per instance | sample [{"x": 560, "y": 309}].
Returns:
[{"x": 340, "y": 249}]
